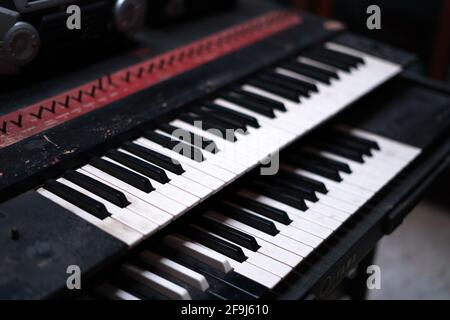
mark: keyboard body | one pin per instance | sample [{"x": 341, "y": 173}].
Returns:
[{"x": 44, "y": 238}]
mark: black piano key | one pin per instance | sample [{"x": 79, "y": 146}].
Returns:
[
  {"x": 321, "y": 75},
  {"x": 231, "y": 234},
  {"x": 125, "y": 175},
  {"x": 154, "y": 157},
  {"x": 78, "y": 199},
  {"x": 315, "y": 185},
  {"x": 223, "y": 122},
  {"x": 333, "y": 62},
  {"x": 286, "y": 188},
  {"x": 274, "y": 193},
  {"x": 100, "y": 189},
  {"x": 157, "y": 138},
  {"x": 231, "y": 121},
  {"x": 190, "y": 137},
  {"x": 209, "y": 124},
  {"x": 274, "y": 88},
  {"x": 326, "y": 162},
  {"x": 136, "y": 288},
  {"x": 188, "y": 151},
  {"x": 364, "y": 149},
  {"x": 179, "y": 147},
  {"x": 249, "y": 120},
  {"x": 363, "y": 141},
  {"x": 261, "y": 208},
  {"x": 249, "y": 219},
  {"x": 309, "y": 86},
  {"x": 217, "y": 244},
  {"x": 274, "y": 104},
  {"x": 227, "y": 121},
  {"x": 339, "y": 150},
  {"x": 293, "y": 188},
  {"x": 138, "y": 165},
  {"x": 352, "y": 60},
  {"x": 250, "y": 105},
  {"x": 232, "y": 286},
  {"x": 314, "y": 167},
  {"x": 283, "y": 83}
]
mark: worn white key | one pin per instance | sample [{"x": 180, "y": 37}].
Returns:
[
  {"x": 127, "y": 217},
  {"x": 115, "y": 228},
  {"x": 176, "y": 270},
  {"x": 237, "y": 151},
  {"x": 145, "y": 209},
  {"x": 156, "y": 282},
  {"x": 310, "y": 215},
  {"x": 248, "y": 270},
  {"x": 217, "y": 159},
  {"x": 279, "y": 129},
  {"x": 279, "y": 240},
  {"x": 288, "y": 230},
  {"x": 194, "y": 250},
  {"x": 256, "y": 258},
  {"x": 112, "y": 292},
  {"x": 156, "y": 199},
  {"x": 210, "y": 170},
  {"x": 167, "y": 189}
]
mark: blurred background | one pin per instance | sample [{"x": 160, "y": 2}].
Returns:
[
  {"x": 420, "y": 26},
  {"x": 415, "y": 259}
]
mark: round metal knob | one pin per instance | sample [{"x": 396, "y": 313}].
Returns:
[
  {"x": 21, "y": 44},
  {"x": 130, "y": 15}
]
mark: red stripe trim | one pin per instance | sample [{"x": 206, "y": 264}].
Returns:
[{"x": 71, "y": 104}]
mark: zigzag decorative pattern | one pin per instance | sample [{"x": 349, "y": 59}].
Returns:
[{"x": 51, "y": 112}]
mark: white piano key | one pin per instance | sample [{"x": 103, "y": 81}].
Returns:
[
  {"x": 288, "y": 230},
  {"x": 155, "y": 198},
  {"x": 179, "y": 199},
  {"x": 392, "y": 148},
  {"x": 156, "y": 282},
  {"x": 280, "y": 128},
  {"x": 310, "y": 215},
  {"x": 208, "y": 170},
  {"x": 247, "y": 269},
  {"x": 145, "y": 209},
  {"x": 124, "y": 215},
  {"x": 115, "y": 228},
  {"x": 256, "y": 258},
  {"x": 331, "y": 212},
  {"x": 167, "y": 189},
  {"x": 330, "y": 184},
  {"x": 217, "y": 159},
  {"x": 188, "y": 185},
  {"x": 257, "y": 274},
  {"x": 176, "y": 270},
  {"x": 279, "y": 239},
  {"x": 238, "y": 151},
  {"x": 279, "y": 253},
  {"x": 336, "y": 203},
  {"x": 300, "y": 114},
  {"x": 198, "y": 252},
  {"x": 111, "y": 292}
]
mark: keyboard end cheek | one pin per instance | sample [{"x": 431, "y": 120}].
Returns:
[{"x": 47, "y": 239}]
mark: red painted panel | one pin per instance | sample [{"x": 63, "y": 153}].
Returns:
[{"x": 71, "y": 104}]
